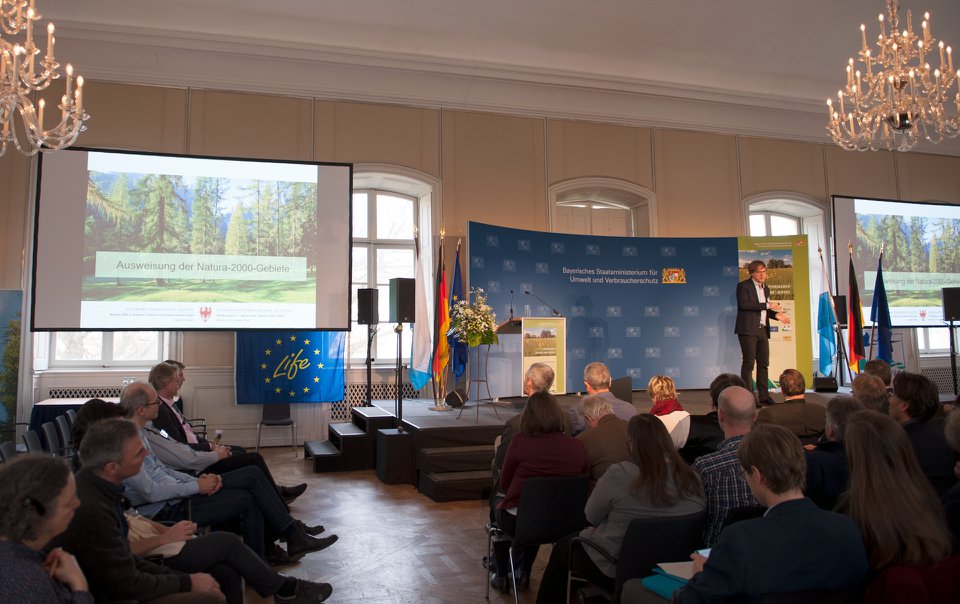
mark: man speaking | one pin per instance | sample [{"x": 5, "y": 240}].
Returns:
[{"x": 754, "y": 311}]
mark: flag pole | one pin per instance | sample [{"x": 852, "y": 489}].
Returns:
[
  {"x": 841, "y": 351},
  {"x": 873, "y": 328}
]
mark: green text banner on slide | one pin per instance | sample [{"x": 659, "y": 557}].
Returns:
[{"x": 788, "y": 277}]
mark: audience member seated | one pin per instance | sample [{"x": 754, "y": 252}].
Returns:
[
  {"x": 794, "y": 547},
  {"x": 951, "y": 500},
  {"x": 597, "y": 380},
  {"x": 663, "y": 394},
  {"x": 112, "y": 451},
  {"x": 38, "y": 497},
  {"x": 245, "y": 494},
  {"x": 181, "y": 378},
  {"x": 538, "y": 378},
  {"x": 871, "y": 391},
  {"x": 723, "y": 480},
  {"x": 705, "y": 432},
  {"x": 539, "y": 448},
  {"x": 806, "y": 420},
  {"x": 914, "y": 401},
  {"x": 827, "y": 463},
  {"x": 655, "y": 482},
  {"x": 605, "y": 437},
  {"x": 222, "y": 555},
  {"x": 166, "y": 379},
  {"x": 900, "y": 516},
  {"x": 880, "y": 369}
]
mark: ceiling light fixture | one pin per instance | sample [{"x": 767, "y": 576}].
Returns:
[
  {"x": 893, "y": 96},
  {"x": 23, "y": 73}
]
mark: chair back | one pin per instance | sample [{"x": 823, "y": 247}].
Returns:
[
  {"x": 276, "y": 414},
  {"x": 72, "y": 416},
  {"x": 32, "y": 441},
  {"x": 550, "y": 508},
  {"x": 63, "y": 429},
  {"x": 8, "y": 450},
  {"x": 650, "y": 541},
  {"x": 51, "y": 438}
]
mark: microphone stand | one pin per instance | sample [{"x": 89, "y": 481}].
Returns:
[{"x": 556, "y": 312}]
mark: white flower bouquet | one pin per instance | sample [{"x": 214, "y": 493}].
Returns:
[{"x": 474, "y": 322}]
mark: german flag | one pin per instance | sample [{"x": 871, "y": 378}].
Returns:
[{"x": 854, "y": 321}]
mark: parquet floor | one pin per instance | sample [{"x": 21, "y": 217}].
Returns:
[{"x": 396, "y": 545}]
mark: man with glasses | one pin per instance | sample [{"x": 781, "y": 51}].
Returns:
[
  {"x": 754, "y": 311},
  {"x": 164, "y": 494}
]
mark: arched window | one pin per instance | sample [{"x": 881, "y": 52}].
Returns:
[
  {"x": 388, "y": 202},
  {"x": 601, "y": 206}
]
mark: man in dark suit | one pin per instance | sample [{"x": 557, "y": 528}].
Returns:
[
  {"x": 915, "y": 400},
  {"x": 806, "y": 420},
  {"x": 794, "y": 547},
  {"x": 605, "y": 437},
  {"x": 827, "y": 469},
  {"x": 754, "y": 311}
]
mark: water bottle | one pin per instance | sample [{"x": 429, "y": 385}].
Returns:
[
  {"x": 217, "y": 436},
  {"x": 124, "y": 384}
]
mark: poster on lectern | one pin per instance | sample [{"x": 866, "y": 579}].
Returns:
[{"x": 545, "y": 341}]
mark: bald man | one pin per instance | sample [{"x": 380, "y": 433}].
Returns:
[{"x": 720, "y": 472}]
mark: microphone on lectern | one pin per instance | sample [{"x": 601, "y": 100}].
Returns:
[{"x": 556, "y": 312}]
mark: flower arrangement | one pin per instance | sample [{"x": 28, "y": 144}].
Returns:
[{"x": 474, "y": 322}]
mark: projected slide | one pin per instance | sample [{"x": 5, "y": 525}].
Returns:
[
  {"x": 921, "y": 254},
  {"x": 172, "y": 242}
]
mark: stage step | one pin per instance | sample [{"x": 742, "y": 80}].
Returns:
[
  {"x": 456, "y": 486},
  {"x": 326, "y": 457},
  {"x": 454, "y": 459},
  {"x": 468, "y": 435},
  {"x": 371, "y": 419},
  {"x": 357, "y": 447}
]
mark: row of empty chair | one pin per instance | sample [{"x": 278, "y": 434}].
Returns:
[{"x": 55, "y": 437}]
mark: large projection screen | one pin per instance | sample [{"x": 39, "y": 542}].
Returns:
[
  {"x": 135, "y": 241},
  {"x": 921, "y": 254}
]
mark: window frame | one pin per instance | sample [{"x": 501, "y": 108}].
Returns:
[{"x": 46, "y": 346}]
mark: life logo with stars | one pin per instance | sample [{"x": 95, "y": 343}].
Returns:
[{"x": 290, "y": 367}]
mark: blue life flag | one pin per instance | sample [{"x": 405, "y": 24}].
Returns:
[
  {"x": 880, "y": 316},
  {"x": 290, "y": 367},
  {"x": 458, "y": 350}
]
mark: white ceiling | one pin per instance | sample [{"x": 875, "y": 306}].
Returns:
[{"x": 760, "y": 67}]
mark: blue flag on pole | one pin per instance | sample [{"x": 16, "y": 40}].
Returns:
[
  {"x": 458, "y": 350},
  {"x": 290, "y": 367},
  {"x": 826, "y": 319},
  {"x": 880, "y": 316}
]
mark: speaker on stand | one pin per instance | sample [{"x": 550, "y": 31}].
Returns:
[
  {"x": 402, "y": 310},
  {"x": 368, "y": 313},
  {"x": 951, "y": 313}
]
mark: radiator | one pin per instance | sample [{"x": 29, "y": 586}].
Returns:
[
  {"x": 357, "y": 392},
  {"x": 86, "y": 392},
  {"x": 941, "y": 376}
]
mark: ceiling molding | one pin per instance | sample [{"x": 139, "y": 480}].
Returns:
[{"x": 162, "y": 58}]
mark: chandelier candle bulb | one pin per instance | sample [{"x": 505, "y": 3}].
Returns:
[
  {"x": 79, "y": 94},
  {"x": 49, "y": 41},
  {"x": 863, "y": 34},
  {"x": 41, "y": 105},
  {"x": 69, "y": 79}
]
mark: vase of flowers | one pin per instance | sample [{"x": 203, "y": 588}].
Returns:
[{"x": 474, "y": 322}]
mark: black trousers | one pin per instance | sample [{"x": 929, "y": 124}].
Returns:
[
  {"x": 756, "y": 351},
  {"x": 553, "y": 585},
  {"x": 229, "y": 561}
]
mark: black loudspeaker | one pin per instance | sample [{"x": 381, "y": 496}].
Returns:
[
  {"x": 951, "y": 303},
  {"x": 840, "y": 304},
  {"x": 456, "y": 398},
  {"x": 368, "y": 311},
  {"x": 403, "y": 301},
  {"x": 826, "y": 383}
]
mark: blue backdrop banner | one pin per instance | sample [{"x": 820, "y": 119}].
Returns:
[
  {"x": 643, "y": 306},
  {"x": 290, "y": 367}
]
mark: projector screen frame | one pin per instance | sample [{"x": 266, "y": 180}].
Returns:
[
  {"x": 841, "y": 262},
  {"x": 340, "y": 175}
]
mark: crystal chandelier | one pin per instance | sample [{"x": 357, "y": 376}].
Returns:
[
  {"x": 893, "y": 96},
  {"x": 22, "y": 74}
]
